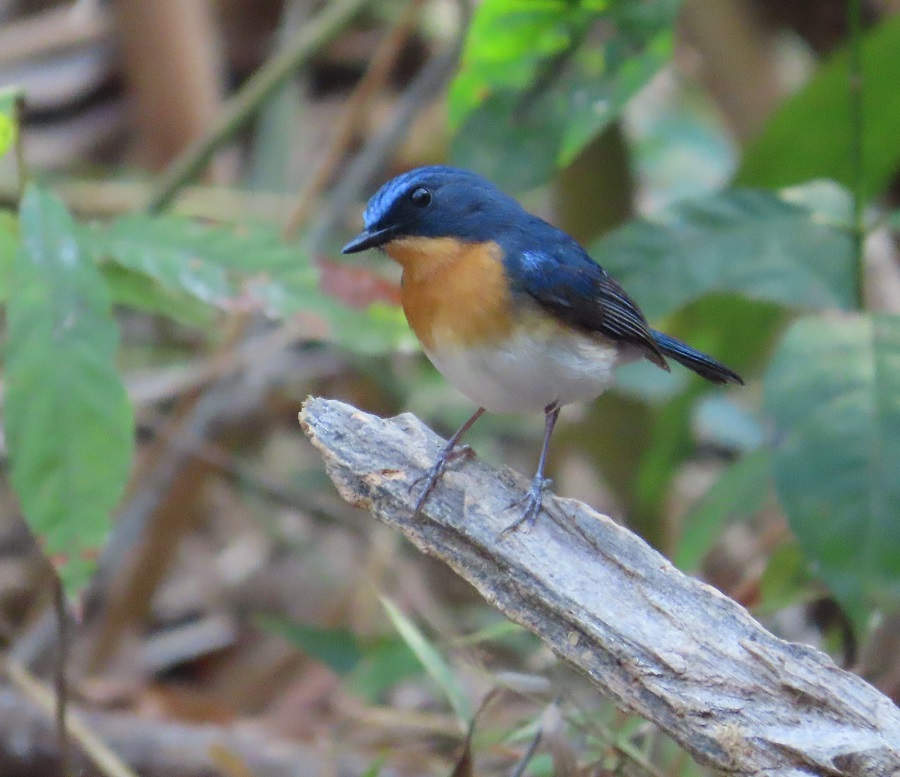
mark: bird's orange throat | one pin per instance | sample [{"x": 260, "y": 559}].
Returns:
[{"x": 453, "y": 293}]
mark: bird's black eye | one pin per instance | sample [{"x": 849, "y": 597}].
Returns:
[{"x": 420, "y": 197}]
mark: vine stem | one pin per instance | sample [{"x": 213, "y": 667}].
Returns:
[
  {"x": 21, "y": 161},
  {"x": 245, "y": 104},
  {"x": 106, "y": 762},
  {"x": 855, "y": 91},
  {"x": 60, "y": 678}
]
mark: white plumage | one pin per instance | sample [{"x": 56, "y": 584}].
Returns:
[{"x": 528, "y": 371}]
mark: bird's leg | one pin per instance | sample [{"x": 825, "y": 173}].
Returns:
[
  {"x": 539, "y": 483},
  {"x": 448, "y": 455}
]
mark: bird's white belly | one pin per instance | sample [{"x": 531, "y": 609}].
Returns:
[{"x": 528, "y": 372}]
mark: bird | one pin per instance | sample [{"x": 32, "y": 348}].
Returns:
[{"x": 511, "y": 310}]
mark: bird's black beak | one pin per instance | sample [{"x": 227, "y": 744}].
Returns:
[{"x": 369, "y": 238}]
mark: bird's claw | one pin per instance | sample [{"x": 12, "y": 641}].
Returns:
[
  {"x": 434, "y": 474},
  {"x": 532, "y": 501}
]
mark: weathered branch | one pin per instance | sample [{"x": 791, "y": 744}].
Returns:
[
  {"x": 28, "y": 747},
  {"x": 662, "y": 644}
]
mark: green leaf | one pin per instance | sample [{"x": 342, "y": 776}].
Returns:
[
  {"x": 136, "y": 290},
  {"x": 338, "y": 649},
  {"x": 535, "y": 86},
  {"x": 787, "y": 580},
  {"x": 69, "y": 426},
  {"x": 9, "y": 119},
  {"x": 754, "y": 243},
  {"x": 385, "y": 662},
  {"x": 438, "y": 669},
  {"x": 188, "y": 257},
  {"x": 722, "y": 422},
  {"x": 670, "y": 444},
  {"x": 832, "y": 392},
  {"x": 9, "y": 246},
  {"x": 810, "y": 135},
  {"x": 243, "y": 269},
  {"x": 739, "y": 493}
]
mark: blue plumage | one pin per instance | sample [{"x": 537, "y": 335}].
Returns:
[
  {"x": 705, "y": 366},
  {"x": 471, "y": 253},
  {"x": 543, "y": 264},
  {"x": 466, "y": 205}
]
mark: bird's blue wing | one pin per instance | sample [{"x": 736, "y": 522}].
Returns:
[{"x": 559, "y": 275}]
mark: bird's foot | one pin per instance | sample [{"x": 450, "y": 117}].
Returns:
[
  {"x": 431, "y": 477},
  {"x": 532, "y": 504}
]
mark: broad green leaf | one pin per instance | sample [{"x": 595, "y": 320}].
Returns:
[
  {"x": 189, "y": 257},
  {"x": 740, "y": 331},
  {"x": 787, "y": 580},
  {"x": 243, "y": 269},
  {"x": 438, "y": 669},
  {"x": 754, "y": 243},
  {"x": 670, "y": 444},
  {"x": 833, "y": 394},
  {"x": 810, "y": 134},
  {"x": 69, "y": 426},
  {"x": 724, "y": 423},
  {"x": 661, "y": 435},
  {"x": 385, "y": 662},
  {"x": 9, "y": 121},
  {"x": 9, "y": 246},
  {"x": 536, "y": 85},
  {"x": 136, "y": 290},
  {"x": 338, "y": 649},
  {"x": 378, "y": 329},
  {"x": 739, "y": 492}
]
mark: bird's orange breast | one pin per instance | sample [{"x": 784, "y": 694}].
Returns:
[{"x": 453, "y": 293}]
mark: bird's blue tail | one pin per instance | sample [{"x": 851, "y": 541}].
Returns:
[{"x": 703, "y": 365}]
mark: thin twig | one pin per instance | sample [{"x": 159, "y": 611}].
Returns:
[
  {"x": 855, "y": 91},
  {"x": 109, "y": 198},
  {"x": 96, "y": 749},
  {"x": 376, "y": 74},
  {"x": 156, "y": 748},
  {"x": 21, "y": 161},
  {"x": 60, "y": 678},
  {"x": 246, "y": 103},
  {"x": 523, "y": 762},
  {"x": 371, "y": 160}
]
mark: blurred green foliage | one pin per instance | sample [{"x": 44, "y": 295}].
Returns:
[
  {"x": 9, "y": 127},
  {"x": 832, "y": 391},
  {"x": 535, "y": 85},
  {"x": 68, "y": 421},
  {"x": 755, "y": 243},
  {"x": 433, "y": 662},
  {"x": 727, "y": 271},
  {"x": 67, "y": 418},
  {"x": 833, "y": 449},
  {"x": 810, "y": 135}
]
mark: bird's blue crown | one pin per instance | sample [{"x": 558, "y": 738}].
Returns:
[{"x": 465, "y": 205}]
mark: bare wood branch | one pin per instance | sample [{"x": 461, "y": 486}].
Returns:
[
  {"x": 28, "y": 747},
  {"x": 662, "y": 644}
]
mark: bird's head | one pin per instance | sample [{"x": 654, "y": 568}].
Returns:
[{"x": 434, "y": 202}]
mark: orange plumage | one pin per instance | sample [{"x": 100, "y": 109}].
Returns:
[
  {"x": 453, "y": 293},
  {"x": 510, "y": 309}
]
